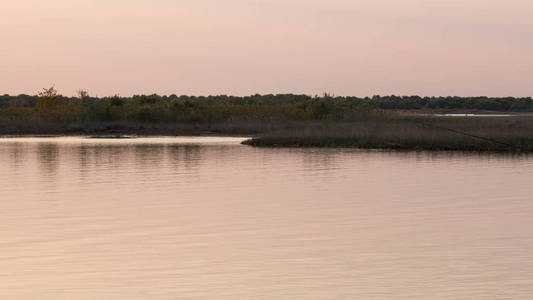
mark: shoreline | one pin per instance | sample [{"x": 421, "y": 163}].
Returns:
[
  {"x": 321, "y": 142},
  {"x": 374, "y": 131},
  {"x": 385, "y": 146}
]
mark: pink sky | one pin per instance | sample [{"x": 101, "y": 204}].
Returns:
[{"x": 240, "y": 47}]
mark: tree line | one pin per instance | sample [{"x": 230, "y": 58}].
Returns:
[{"x": 50, "y": 106}]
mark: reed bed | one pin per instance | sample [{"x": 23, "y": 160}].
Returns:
[{"x": 498, "y": 134}]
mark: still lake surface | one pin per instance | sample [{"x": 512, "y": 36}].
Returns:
[{"x": 208, "y": 218}]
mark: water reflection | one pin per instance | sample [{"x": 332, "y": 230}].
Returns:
[
  {"x": 168, "y": 218},
  {"x": 143, "y": 157},
  {"x": 187, "y": 157},
  {"x": 17, "y": 154},
  {"x": 148, "y": 156},
  {"x": 48, "y": 157}
]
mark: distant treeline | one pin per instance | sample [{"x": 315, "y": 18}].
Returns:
[
  {"x": 509, "y": 104},
  {"x": 49, "y": 109}
]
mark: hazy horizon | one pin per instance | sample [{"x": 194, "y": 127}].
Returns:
[{"x": 239, "y": 47}]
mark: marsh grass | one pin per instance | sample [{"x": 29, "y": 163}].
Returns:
[{"x": 498, "y": 134}]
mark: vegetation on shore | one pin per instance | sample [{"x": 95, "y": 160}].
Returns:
[
  {"x": 280, "y": 120},
  {"x": 503, "y": 134},
  {"x": 50, "y": 113}
]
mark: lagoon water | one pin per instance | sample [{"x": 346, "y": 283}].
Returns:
[{"x": 208, "y": 218}]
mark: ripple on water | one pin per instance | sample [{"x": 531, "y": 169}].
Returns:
[{"x": 208, "y": 218}]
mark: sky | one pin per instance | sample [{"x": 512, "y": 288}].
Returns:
[{"x": 242, "y": 47}]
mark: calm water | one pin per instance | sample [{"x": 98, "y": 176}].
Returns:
[{"x": 207, "y": 218}]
